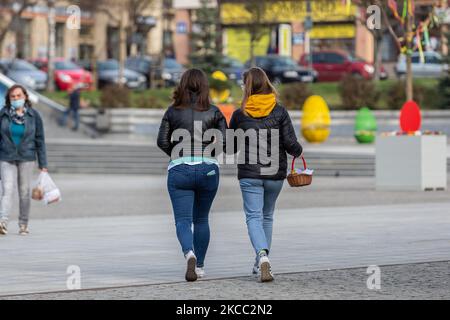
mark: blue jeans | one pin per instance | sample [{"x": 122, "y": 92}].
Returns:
[
  {"x": 259, "y": 197},
  {"x": 192, "y": 189},
  {"x": 75, "y": 118}
]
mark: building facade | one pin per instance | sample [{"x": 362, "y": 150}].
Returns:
[
  {"x": 334, "y": 25},
  {"x": 286, "y": 28},
  {"x": 97, "y": 37}
]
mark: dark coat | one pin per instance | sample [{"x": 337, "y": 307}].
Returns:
[
  {"x": 278, "y": 119},
  {"x": 183, "y": 118}
]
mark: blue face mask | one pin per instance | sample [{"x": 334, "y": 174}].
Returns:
[{"x": 17, "y": 103}]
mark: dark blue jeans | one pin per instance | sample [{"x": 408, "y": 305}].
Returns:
[
  {"x": 75, "y": 118},
  {"x": 192, "y": 189}
]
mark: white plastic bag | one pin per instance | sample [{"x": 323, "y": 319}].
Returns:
[{"x": 49, "y": 191}]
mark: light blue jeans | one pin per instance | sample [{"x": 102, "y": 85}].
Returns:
[{"x": 259, "y": 197}]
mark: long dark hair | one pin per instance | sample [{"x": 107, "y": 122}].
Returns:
[
  {"x": 193, "y": 90},
  {"x": 25, "y": 92},
  {"x": 256, "y": 82}
]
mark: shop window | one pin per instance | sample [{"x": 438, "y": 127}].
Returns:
[
  {"x": 23, "y": 39},
  {"x": 86, "y": 52},
  {"x": 85, "y": 30},
  {"x": 59, "y": 39},
  {"x": 113, "y": 43}
]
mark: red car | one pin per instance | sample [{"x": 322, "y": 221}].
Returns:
[
  {"x": 333, "y": 65},
  {"x": 66, "y": 73}
]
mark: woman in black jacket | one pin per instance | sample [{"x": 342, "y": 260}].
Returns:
[
  {"x": 261, "y": 180},
  {"x": 193, "y": 175}
]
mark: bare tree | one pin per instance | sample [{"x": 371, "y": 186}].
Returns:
[
  {"x": 377, "y": 32},
  {"x": 257, "y": 26},
  {"x": 14, "y": 9},
  {"x": 404, "y": 38},
  {"x": 122, "y": 13}
]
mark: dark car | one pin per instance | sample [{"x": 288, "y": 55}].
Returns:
[
  {"x": 283, "y": 69},
  {"x": 233, "y": 68},
  {"x": 108, "y": 73},
  {"x": 333, "y": 65},
  {"x": 170, "y": 73}
]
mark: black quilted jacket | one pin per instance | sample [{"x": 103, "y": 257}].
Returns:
[
  {"x": 278, "y": 119},
  {"x": 184, "y": 118}
]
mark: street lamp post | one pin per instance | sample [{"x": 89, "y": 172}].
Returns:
[
  {"x": 51, "y": 45},
  {"x": 308, "y": 26}
]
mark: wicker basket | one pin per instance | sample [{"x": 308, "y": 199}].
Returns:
[{"x": 296, "y": 179}]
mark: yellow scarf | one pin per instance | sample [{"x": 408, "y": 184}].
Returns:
[{"x": 260, "y": 105}]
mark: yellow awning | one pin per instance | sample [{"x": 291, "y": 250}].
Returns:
[
  {"x": 288, "y": 11},
  {"x": 333, "y": 31}
]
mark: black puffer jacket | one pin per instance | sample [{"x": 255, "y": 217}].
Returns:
[
  {"x": 278, "y": 119},
  {"x": 183, "y": 118}
]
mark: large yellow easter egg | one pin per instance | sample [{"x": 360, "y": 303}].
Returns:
[
  {"x": 316, "y": 120},
  {"x": 219, "y": 96}
]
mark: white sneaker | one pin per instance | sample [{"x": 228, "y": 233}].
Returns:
[
  {"x": 191, "y": 261},
  {"x": 200, "y": 272},
  {"x": 265, "y": 269},
  {"x": 23, "y": 230}
]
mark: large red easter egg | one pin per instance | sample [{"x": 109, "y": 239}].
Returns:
[{"x": 410, "y": 118}]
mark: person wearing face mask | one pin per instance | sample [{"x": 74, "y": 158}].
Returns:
[{"x": 21, "y": 142}]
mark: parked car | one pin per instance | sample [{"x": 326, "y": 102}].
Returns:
[
  {"x": 6, "y": 83},
  {"x": 282, "y": 69},
  {"x": 24, "y": 73},
  {"x": 66, "y": 73},
  {"x": 333, "y": 65},
  {"x": 433, "y": 65},
  {"x": 170, "y": 73},
  {"x": 108, "y": 73},
  {"x": 233, "y": 68}
]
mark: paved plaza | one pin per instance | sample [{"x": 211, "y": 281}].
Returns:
[{"x": 119, "y": 231}]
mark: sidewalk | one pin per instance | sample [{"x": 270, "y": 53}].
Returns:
[
  {"x": 406, "y": 281},
  {"x": 132, "y": 250}
]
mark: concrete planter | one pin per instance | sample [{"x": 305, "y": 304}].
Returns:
[
  {"x": 103, "y": 120},
  {"x": 411, "y": 162}
]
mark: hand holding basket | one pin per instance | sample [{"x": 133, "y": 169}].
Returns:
[{"x": 299, "y": 179}]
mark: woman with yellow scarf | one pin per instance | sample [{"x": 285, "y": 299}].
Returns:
[{"x": 260, "y": 181}]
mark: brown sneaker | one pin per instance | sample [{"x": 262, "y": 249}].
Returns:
[
  {"x": 265, "y": 269},
  {"x": 23, "y": 230},
  {"x": 190, "y": 268},
  {"x": 3, "y": 228}
]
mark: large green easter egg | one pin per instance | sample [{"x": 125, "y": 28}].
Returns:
[{"x": 365, "y": 126}]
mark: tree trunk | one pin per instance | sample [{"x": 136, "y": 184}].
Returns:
[
  {"x": 377, "y": 57},
  {"x": 252, "y": 49},
  {"x": 409, "y": 78},
  {"x": 252, "y": 54},
  {"x": 122, "y": 49},
  {"x": 94, "y": 71},
  {"x": 444, "y": 30},
  {"x": 219, "y": 38},
  {"x": 51, "y": 46},
  {"x": 2, "y": 40},
  {"x": 409, "y": 75}
]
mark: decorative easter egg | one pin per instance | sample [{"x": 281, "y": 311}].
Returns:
[
  {"x": 410, "y": 117},
  {"x": 316, "y": 120},
  {"x": 365, "y": 126},
  {"x": 219, "y": 90}
]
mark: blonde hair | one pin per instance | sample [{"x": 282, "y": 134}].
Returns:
[{"x": 256, "y": 82}]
